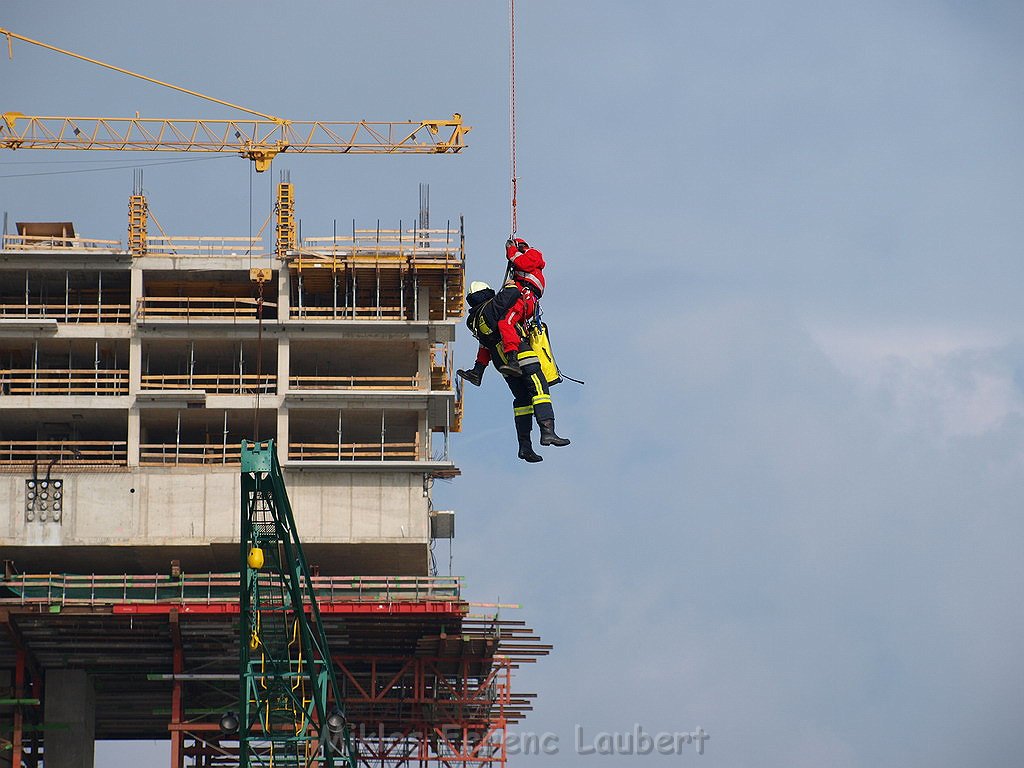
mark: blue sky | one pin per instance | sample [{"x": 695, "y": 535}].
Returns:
[{"x": 784, "y": 248}]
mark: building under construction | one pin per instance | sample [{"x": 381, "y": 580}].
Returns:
[{"x": 130, "y": 373}]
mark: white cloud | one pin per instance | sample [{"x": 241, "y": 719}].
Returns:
[{"x": 955, "y": 381}]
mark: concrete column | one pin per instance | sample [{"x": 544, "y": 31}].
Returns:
[
  {"x": 70, "y": 700},
  {"x": 284, "y": 364},
  {"x": 423, "y": 366},
  {"x": 136, "y": 292},
  {"x": 423, "y": 303},
  {"x": 134, "y": 437},
  {"x": 282, "y": 434},
  {"x": 6, "y": 717},
  {"x": 284, "y": 293},
  {"x": 284, "y": 367},
  {"x": 134, "y": 371},
  {"x": 424, "y": 434},
  {"x": 134, "y": 385},
  {"x": 134, "y": 365}
]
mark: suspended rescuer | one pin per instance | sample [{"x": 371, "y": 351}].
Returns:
[
  {"x": 530, "y": 395},
  {"x": 526, "y": 271}
]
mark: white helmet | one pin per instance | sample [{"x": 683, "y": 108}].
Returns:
[{"x": 476, "y": 285}]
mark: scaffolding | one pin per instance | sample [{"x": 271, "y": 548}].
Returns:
[
  {"x": 200, "y": 347},
  {"x": 423, "y": 682},
  {"x": 382, "y": 274},
  {"x": 351, "y": 365}
]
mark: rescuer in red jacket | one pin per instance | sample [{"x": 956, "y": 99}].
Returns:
[
  {"x": 526, "y": 271},
  {"x": 527, "y": 264},
  {"x": 525, "y": 274}
]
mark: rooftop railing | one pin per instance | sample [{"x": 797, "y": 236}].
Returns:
[
  {"x": 47, "y": 242},
  {"x": 205, "y": 246},
  {"x": 418, "y": 246}
]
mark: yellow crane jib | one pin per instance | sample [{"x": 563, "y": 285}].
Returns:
[{"x": 259, "y": 139}]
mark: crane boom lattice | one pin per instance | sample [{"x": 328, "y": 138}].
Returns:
[{"x": 258, "y": 140}]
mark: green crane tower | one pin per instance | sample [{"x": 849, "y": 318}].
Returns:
[{"x": 289, "y": 701}]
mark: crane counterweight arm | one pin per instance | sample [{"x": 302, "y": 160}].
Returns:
[{"x": 258, "y": 140}]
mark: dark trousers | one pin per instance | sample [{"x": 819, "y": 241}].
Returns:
[{"x": 530, "y": 396}]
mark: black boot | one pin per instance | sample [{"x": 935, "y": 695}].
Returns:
[
  {"x": 526, "y": 452},
  {"x": 511, "y": 366},
  {"x": 474, "y": 375},
  {"x": 547, "y": 434},
  {"x": 524, "y": 426}
]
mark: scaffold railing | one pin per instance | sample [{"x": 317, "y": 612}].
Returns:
[
  {"x": 68, "y": 313},
  {"x": 229, "y": 308},
  {"x": 178, "y": 454},
  {"x": 64, "y": 452},
  {"x": 441, "y": 365},
  {"x": 203, "y": 589},
  {"x": 212, "y": 383},
  {"x": 378, "y": 451},
  {"x": 352, "y": 382},
  {"x": 363, "y": 312},
  {"x": 48, "y": 242},
  {"x": 63, "y": 381},
  {"x": 192, "y": 247},
  {"x": 417, "y": 246}
]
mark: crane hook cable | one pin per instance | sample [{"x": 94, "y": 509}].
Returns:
[
  {"x": 512, "y": 108},
  {"x": 10, "y": 53},
  {"x": 259, "y": 331}
]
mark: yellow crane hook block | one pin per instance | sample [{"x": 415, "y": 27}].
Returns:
[{"x": 255, "y": 558}]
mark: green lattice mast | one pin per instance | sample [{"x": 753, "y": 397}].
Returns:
[{"x": 289, "y": 698}]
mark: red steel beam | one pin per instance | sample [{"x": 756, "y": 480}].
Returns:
[
  {"x": 177, "y": 738},
  {"x": 19, "y": 717},
  {"x": 453, "y": 609}
]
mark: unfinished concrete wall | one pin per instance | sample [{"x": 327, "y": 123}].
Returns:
[{"x": 156, "y": 512}]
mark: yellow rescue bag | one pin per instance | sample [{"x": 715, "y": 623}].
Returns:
[{"x": 541, "y": 345}]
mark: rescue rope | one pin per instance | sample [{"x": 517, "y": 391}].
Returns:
[{"x": 512, "y": 108}]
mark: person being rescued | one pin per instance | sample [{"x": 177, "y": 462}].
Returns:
[{"x": 495, "y": 318}]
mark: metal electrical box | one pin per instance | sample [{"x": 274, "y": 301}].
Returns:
[{"x": 442, "y": 525}]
